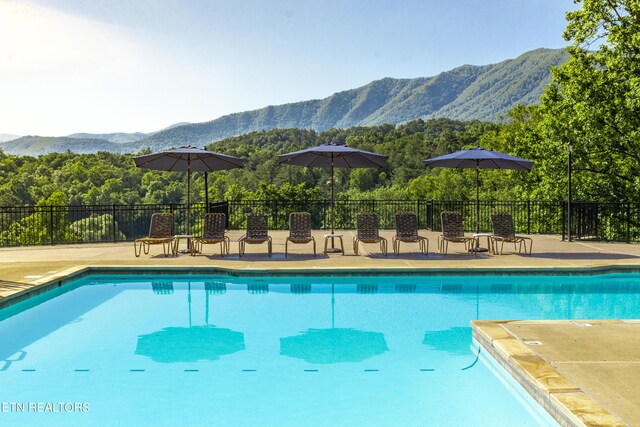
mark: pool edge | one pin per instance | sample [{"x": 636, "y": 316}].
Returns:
[
  {"x": 60, "y": 278},
  {"x": 559, "y": 396}
]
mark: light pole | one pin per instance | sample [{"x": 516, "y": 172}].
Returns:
[
  {"x": 206, "y": 190},
  {"x": 569, "y": 149}
]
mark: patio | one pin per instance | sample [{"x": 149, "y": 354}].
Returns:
[{"x": 22, "y": 268}]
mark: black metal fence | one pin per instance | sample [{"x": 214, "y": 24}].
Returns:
[{"x": 49, "y": 225}]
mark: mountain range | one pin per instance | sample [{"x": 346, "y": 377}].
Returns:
[{"x": 467, "y": 92}]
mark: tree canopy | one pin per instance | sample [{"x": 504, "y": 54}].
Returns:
[{"x": 593, "y": 102}]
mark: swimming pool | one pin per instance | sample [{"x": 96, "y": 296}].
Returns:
[{"x": 319, "y": 350}]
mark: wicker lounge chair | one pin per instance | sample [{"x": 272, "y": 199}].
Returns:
[
  {"x": 368, "y": 232},
  {"x": 257, "y": 232},
  {"x": 407, "y": 231},
  {"x": 504, "y": 231},
  {"x": 160, "y": 232},
  {"x": 453, "y": 231},
  {"x": 299, "y": 231},
  {"x": 214, "y": 228}
]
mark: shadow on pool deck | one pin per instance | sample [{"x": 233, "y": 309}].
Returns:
[{"x": 583, "y": 255}]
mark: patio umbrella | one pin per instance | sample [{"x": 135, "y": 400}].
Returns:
[
  {"x": 479, "y": 158},
  {"x": 334, "y": 345},
  {"x": 188, "y": 159},
  {"x": 333, "y": 156}
]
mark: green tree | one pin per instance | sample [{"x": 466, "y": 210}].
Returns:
[{"x": 593, "y": 102}]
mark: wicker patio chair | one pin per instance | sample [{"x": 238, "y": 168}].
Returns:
[
  {"x": 453, "y": 231},
  {"x": 299, "y": 231},
  {"x": 407, "y": 231},
  {"x": 504, "y": 231},
  {"x": 160, "y": 232},
  {"x": 214, "y": 232},
  {"x": 257, "y": 232},
  {"x": 368, "y": 232}
]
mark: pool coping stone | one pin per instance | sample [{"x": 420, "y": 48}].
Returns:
[{"x": 562, "y": 398}]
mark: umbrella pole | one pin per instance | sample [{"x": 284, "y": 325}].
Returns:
[
  {"x": 477, "y": 198},
  {"x": 206, "y": 193},
  {"x": 478, "y": 248},
  {"x": 333, "y": 248},
  {"x": 333, "y": 203},
  {"x": 188, "y": 200}
]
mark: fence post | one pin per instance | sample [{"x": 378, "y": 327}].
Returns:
[
  {"x": 51, "y": 225},
  {"x": 628, "y": 222},
  {"x": 113, "y": 222},
  {"x": 275, "y": 212},
  {"x": 564, "y": 220},
  {"x": 529, "y": 216}
]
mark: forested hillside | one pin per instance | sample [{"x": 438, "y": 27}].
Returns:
[
  {"x": 37, "y": 145},
  {"x": 106, "y": 178},
  {"x": 117, "y": 137},
  {"x": 464, "y": 93}
]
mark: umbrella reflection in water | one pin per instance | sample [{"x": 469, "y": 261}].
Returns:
[
  {"x": 194, "y": 343},
  {"x": 334, "y": 345},
  {"x": 456, "y": 340}
]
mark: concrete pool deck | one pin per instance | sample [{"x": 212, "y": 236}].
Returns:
[{"x": 600, "y": 364}]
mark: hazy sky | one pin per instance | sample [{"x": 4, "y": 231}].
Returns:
[{"x": 140, "y": 65}]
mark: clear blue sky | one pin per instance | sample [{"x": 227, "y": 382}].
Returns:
[{"x": 141, "y": 65}]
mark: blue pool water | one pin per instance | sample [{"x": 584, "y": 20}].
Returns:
[{"x": 273, "y": 351}]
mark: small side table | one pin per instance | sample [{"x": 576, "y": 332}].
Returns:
[
  {"x": 489, "y": 245},
  {"x": 333, "y": 249},
  {"x": 176, "y": 242}
]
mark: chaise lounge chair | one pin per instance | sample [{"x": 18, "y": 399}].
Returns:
[
  {"x": 160, "y": 232},
  {"x": 368, "y": 232},
  {"x": 504, "y": 231},
  {"x": 407, "y": 231},
  {"x": 453, "y": 231},
  {"x": 257, "y": 232},
  {"x": 214, "y": 232},
  {"x": 299, "y": 231}
]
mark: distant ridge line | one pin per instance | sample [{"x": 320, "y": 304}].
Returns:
[{"x": 467, "y": 92}]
